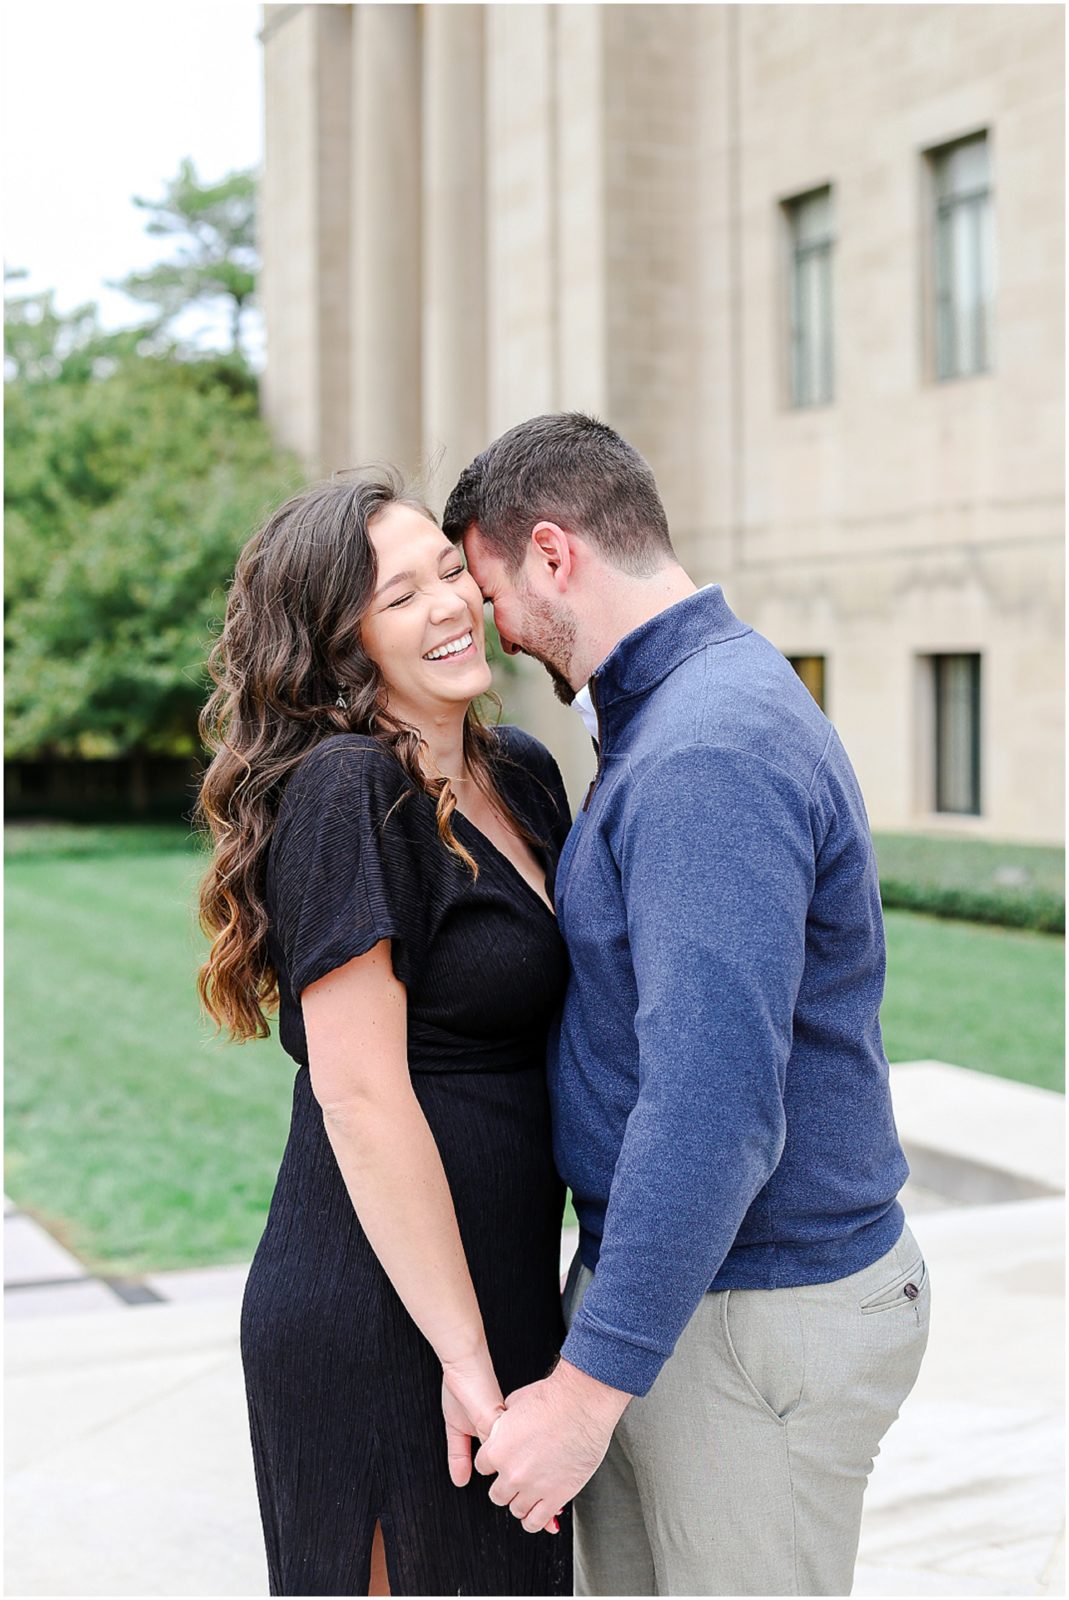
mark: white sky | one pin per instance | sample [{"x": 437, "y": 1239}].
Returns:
[{"x": 101, "y": 101}]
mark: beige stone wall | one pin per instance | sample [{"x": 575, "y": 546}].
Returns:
[
  {"x": 550, "y": 207},
  {"x": 910, "y": 516}
]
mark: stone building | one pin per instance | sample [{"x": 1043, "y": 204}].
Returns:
[{"x": 808, "y": 258}]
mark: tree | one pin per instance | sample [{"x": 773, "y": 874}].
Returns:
[
  {"x": 43, "y": 345},
  {"x": 130, "y": 489},
  {"x": 215, "y": 224}
]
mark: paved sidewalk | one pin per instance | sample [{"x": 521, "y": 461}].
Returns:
[{"x": 128, "y": 1468}]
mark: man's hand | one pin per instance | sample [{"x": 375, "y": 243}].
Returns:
[{"x": 550, "y": 1440}]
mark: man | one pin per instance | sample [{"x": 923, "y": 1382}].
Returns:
[{"x": 747, "y": 1311}]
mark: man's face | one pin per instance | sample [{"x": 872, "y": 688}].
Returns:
[{"x": 527, "y": 622}]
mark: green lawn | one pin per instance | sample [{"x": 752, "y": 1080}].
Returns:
[
  {"x": 131, "y": 1131},
  {"x": 989, "y": 998},
  {"x": 145, "y": 1142}
]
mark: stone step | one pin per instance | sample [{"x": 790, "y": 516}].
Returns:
[{"x": 978, "y": 1139}]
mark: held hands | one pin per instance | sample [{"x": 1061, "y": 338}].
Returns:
[
  {"x": 471, "y": 1404},
  {"x": 550, "y": 1438}
]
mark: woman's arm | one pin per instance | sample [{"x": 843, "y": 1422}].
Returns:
[{"x": 356, "y": 1026}]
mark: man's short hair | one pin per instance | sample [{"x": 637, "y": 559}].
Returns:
[{"x": 570, "y": 469}]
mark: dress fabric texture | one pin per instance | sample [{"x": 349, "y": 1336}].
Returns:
[{"x": 344, "y": 1392}]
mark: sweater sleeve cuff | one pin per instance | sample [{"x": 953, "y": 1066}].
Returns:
[{"x": 611, "y": 1357}]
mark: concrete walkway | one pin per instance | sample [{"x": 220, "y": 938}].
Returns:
[{"x": 128, "y": 1468}]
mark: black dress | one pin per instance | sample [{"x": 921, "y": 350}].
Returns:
[{"x": 344, "y": 1392}]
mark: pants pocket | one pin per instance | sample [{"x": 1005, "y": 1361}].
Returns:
[
  {"x": 903, "y": 1290},
  {"x": 762, "y": 1332}
]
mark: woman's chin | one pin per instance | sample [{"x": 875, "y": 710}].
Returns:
[
  {"x": 474, "y": 681},
  {"x": 486, "y": 681},
  {"x": 461, "y": 688}
]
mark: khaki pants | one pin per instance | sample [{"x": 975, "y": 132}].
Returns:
[{"x": 743, "y": 1470}]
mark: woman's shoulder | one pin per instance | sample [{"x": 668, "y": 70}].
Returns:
[
  {"x": 520, "y": 752},
  {"x": 345, "y": 801},
  {"x": 523, "y": 749},
  {"x": 344, "y": 766}
]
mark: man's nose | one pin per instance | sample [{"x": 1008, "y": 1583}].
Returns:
[{"x": 507, "y": 645}]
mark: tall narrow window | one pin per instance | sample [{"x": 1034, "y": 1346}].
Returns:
[
  {"x": 811, "y": 671},
  {"x": 810, "y": 229},
  {"x": 964, "y": 257},
  {"x": 956, "y": 682}
]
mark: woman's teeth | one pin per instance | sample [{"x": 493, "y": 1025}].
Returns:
[{"x": 452, "y": 649}]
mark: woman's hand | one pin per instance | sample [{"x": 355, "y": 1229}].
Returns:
[{"x": 471, "y": 1404}]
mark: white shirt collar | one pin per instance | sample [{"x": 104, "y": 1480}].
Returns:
[{"x": 585, "y": 707}]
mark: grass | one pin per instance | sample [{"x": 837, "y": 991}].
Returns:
[
  {"x": 987, "y": 998},
  {"x": 27, "y": 841},
  {"x": 132, "y": 1132},
  {"x": 146, "y": 1143}
]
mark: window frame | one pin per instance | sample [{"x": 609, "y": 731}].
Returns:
[
  {"x": 938, "y": 299},
  {"x": 796, "y": 658},
  {"x": 940, "y": 663},
  {"x": 792, "y": 252}
]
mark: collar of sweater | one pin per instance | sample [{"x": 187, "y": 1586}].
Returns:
[{"x": 646, "y": 655}]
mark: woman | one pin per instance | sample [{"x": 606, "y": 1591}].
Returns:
[{"x": 383, "y": 867}]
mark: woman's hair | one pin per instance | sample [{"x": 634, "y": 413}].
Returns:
[{"x": 290, "y": 670}]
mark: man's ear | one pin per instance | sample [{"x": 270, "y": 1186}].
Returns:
[{"x": 552, "y": 552}]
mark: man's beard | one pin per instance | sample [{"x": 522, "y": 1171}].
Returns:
[
  {"x": 555, "y": 633},
  {"x": 561, "y": 687}
]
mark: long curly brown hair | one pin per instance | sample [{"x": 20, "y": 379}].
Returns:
[{"x": 290, "y": 670}]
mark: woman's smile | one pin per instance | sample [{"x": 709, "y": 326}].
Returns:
[{"x": 460, "y": 648}]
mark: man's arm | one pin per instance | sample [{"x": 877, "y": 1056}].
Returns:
[{"x": 717, "y": 867}]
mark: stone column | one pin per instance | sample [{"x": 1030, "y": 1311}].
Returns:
[
  {"x": 385, "y": 237},
  {"x": 651, "y": 180},
  {"x": 454, "y": 244},
  {"x": 304, "y": 225},
  {"x": 580, "y": 197},
  {"x": 522, "y": 213}
]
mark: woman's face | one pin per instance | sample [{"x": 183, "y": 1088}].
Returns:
[{"x": 424, "y": 626}]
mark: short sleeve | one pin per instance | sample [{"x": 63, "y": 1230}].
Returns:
[{"x": 345, "y": 862}]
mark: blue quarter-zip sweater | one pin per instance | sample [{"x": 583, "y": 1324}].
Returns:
[{"x": 719, "y": 1086}]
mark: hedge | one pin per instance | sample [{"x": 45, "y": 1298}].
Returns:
[{"x": 974, "y": 880}]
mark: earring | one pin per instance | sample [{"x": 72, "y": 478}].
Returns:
[{"x": 341, "y": 702}]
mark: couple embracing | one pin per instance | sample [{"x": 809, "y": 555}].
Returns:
[{"x": 669, "y": 1003}]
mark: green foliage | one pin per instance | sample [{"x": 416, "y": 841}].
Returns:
[
  {"x": 43, "y": 345},
  {"x": 974, "y": 880},
  {"x": 215, "y": 224},
  {"x": 132, "y": 482}
]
